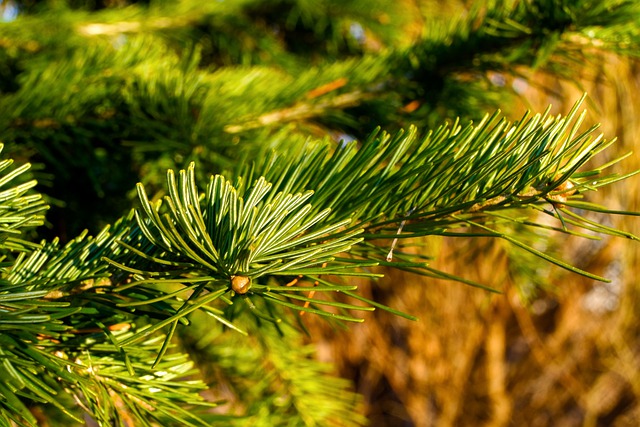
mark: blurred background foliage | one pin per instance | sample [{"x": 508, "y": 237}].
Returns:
[{"x": 101, "y": 94}]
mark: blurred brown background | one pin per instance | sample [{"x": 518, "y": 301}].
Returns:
[{"x": 567, "y": 357}]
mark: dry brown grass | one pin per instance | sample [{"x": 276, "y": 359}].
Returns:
[{"x": 478, "y": 359}]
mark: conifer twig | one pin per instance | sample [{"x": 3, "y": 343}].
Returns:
[{"x": 301, "y": 111}]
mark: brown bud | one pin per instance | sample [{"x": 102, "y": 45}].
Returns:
[
  {"x": 562, "y": 192},
  {"x": 240, "y": 284}
]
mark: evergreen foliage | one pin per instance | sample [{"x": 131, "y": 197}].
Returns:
[{"x": 306, "y": 143}]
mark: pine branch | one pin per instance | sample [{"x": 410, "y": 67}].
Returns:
[
  {"x": 301, "y": 112},
  {"x": 19, "y": 208},
  {"x": 316, "y": 222},
  {"x": 492, "y": 165},
  {"x": 60, "y": 337}
]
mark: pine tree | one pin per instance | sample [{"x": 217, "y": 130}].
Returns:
[{"x": 282, "y": 150}]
